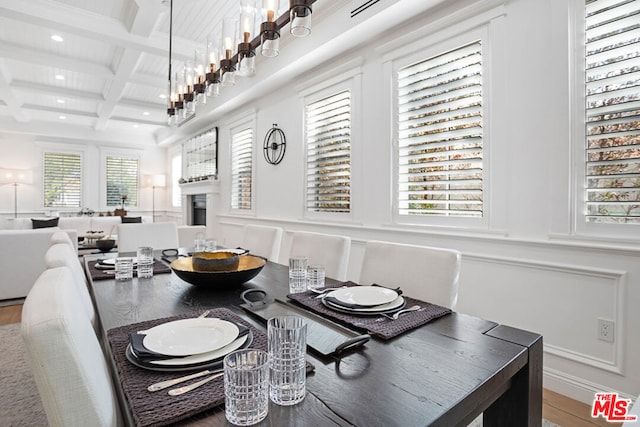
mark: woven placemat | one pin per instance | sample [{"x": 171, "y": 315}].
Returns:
[
  {"x": 159, "y": 267},
  {"x": 379, "y": 326},
  {"x": 159, "y": 409}
]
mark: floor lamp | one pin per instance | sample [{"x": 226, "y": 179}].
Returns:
[
  {"x": 15, "y": 177},
  {"x": 155, "y": 181}
]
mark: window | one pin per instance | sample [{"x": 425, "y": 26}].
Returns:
[
  {"x": 62, "y": 180},
  {"x": 440, "y": 136},
  {"x": 241, "y": 167},
  {"x": 201, "y": 154},
  {"x": 176, "y": 174},
  {"x": 612, "y": 94},
  {"x": 328, "y": 140},
  {"x": 122, "y": 180}
]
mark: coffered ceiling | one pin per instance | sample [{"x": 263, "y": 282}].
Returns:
[{"x": 105, "y": 79}]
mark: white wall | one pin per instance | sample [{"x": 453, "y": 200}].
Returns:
[
  {"x": 26, "y": 152},
  {"x": 527, "y": 268}
]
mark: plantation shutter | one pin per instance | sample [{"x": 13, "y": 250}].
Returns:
[
  {"x": 440, "y": 135},
  {"x": 613, "y": 111},
  {"x": 122, "y": 180},
  {"x": 62, "y": 180},
  {"x": 328, "y": 139},
  {"x": 241, "y": 165}
]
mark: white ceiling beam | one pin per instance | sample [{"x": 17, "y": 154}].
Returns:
[
  {"x": 59, "y": 91},
  {"x": 126, "y": 68},
  {"x": 90, "y": 25},
  {"x": 40, "y": 57},
  {"x": 61, "y": 111},
  {"x": 9, "y": 98},
  {"x": 147, "y": 16},
  {"x": 142, "y": 105}
]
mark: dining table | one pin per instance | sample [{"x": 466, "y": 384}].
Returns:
[{"x": 445, "y": 372}]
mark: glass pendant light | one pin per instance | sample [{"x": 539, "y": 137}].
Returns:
[{"x": 269, "y": 29}]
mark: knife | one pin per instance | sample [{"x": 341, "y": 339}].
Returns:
[
  {"x": 168, "y": 383},
  {"x": 181, "y": 390}
]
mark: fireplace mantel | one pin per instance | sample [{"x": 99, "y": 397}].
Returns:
[{"x": 210, "y": 186}]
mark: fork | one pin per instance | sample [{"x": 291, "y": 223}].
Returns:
[{"x": 397, "y": 314}]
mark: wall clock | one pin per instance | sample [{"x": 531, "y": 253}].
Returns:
[{"x": 275, "y": 145}]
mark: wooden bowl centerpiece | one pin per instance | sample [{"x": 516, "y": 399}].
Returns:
[{"x": 215, "y": 261}]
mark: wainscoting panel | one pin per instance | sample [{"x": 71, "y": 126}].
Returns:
[{"x": 560, "y": 301}]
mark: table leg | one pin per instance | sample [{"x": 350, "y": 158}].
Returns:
[{"x": 521, "y": 404}]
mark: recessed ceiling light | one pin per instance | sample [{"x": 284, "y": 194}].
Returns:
[
  {"x": 59, "y": 77},
  {"x": 61, "y": 101},
  {"x": 136, "y": 126},
  {"x": 62, "y": 117},
  {"x": 163, "y": 96},
  {"x": 146, "y": 113},
  {"x": 57, "y": 38}
]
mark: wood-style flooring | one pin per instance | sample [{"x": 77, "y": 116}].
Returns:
[{"x": 556, "y": 408}]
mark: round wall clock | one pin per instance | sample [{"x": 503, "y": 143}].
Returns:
[{"x": 275, "y": 145}]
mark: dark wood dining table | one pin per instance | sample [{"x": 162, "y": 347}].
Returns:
[{"x": 445, "y": 373}]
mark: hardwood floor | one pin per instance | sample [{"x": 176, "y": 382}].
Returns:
[
  {"x": 556, "y": 408},
  {"x": 10, "y": 314}
]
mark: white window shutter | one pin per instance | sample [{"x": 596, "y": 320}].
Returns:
[
  {"x": 62, "y": 180},
  {"x": 612, "y": 111},
  {"x": 440, "y": 137},
  {"x": 241, "y": 168},
  {"x": 122, "y": 180},
  {"x": 328, "y": 139}
]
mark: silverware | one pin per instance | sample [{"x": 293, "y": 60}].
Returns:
[
  {"x": 322, "y": 292},
  {"x": 397, "y": 314},
  {"x": 181, "y": 390},
  {"x": 168, "y": 383}
]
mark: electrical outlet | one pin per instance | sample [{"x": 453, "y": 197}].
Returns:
[{"x": 606, "y": 329}]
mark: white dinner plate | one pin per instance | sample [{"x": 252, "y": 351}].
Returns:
[
  {"x": 392, "y": 306},
  {"x": 186, "y": 337},
  {"x": 203, "y": 357},
  {"x": 112, "y": 261},
  {"x": 364, "y": 295}
]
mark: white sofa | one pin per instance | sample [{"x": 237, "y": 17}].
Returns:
[
  {"x": 22, "y": 259},
  {"x": 82, "y": 224},
  {"x": 22, "y": 248}
]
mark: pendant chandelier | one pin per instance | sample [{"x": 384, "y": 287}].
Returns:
[{"x": 231, "y": 52}]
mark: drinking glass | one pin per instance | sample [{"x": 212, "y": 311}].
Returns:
[
  {"x": 199, "y": 243},
  {"x": 287, "y": 341},
  {"x": 145, "y": 262},
  {"x": 210, "y": 245},
  {"x": 124, "y": 268},
  {"x": 297, "y": 274},
  {"x": 315, "y": 277},
  {"x": 246, "y": 386}
]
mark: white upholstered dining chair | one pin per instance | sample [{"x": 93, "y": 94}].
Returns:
[
  {"x": 63, "y": 237},
  {"x": 423, "y": 272},
  {"x": 329, "y": 250},
  {"x": 61, "y": 255},
  {"x": 158, "y": 235},
  {"x": 262, "y": 240},
  {"x": 67, "y": 362},
  {"x": 187, "y": 234}
]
